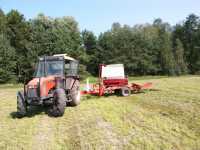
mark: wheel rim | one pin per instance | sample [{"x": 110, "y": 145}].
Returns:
[{"x": 126, "y": 92}]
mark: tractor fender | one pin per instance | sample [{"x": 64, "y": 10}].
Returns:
[{"x": 71, "y": 82}]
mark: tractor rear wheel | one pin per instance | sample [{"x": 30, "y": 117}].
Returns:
[
  {"x": 21, "y": 104},
  {"x": 58, "y": 107},
  {"x": 75, "y": 95},
  {"x": 75, "y": 98},
  {"x": 125, "y": 91}
]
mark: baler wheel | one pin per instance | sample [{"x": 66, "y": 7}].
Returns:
[{"x": 125, "y": 91}]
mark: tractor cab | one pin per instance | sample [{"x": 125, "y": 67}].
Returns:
[
  {"x": 70, "y": 65},
  {"x": 57, "y": 65}
]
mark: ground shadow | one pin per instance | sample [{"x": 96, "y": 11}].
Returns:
[
  {"x": 144, "y": 91},
  {"x": 32, "y": 111},
  {"x": 37, "y": 110},
  {"x": 119, "y": 95},
  {"x": 154, "y": 90},
  {"x": 89, "y": 97}
]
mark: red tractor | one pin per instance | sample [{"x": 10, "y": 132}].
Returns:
[{"x": 55, "y": 84}]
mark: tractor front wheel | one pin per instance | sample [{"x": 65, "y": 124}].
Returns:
[
  {"x": 21, "y": 104},
  {"x": 58, "y": 107}
]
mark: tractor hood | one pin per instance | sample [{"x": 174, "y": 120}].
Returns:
[
  {"x": 33, "y": 83},
  {"x": 44, "y": 83}
]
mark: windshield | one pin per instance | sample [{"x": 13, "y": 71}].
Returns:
[{"x": 53, "y": 67}]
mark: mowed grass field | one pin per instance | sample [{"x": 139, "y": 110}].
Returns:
[{"x": 166, "y": 117}]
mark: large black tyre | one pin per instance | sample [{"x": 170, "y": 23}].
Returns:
[
  {"x": 21, "y": 104},
  {"x": 58, "y": 107},
  {"x": 125, "y": 91},
  {"x": 75, "y": 95}
]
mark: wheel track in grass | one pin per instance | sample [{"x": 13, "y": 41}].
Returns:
[
  {"x": 111, "y": 140},
  {"x": 44, "y": 134},
  {"x": 91, "y": 131},
  {"x": 110, "y": 137},
  {"x": 79, "y": 136}
]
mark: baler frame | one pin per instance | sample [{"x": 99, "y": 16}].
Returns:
[{"x": 115, "y": 86}]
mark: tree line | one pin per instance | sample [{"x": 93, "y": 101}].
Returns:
[{"x": 144, "y": 49}]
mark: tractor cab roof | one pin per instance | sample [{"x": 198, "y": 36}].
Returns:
[
  {"x": 65, "y": 57},
  {"x": 57, "y": 57},
  {"x": 50, "y": 58}
]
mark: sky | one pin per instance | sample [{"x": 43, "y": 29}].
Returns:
[{"x": 99, "y": 15}]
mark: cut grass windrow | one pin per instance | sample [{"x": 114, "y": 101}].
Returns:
[{"x": 166, "y": 117}]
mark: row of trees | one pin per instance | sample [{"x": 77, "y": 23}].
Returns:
[{"x": 148, "y": 49}]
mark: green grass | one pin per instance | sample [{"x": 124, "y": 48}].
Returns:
[
  {"x": 91, "y": 79},
  {"x": 166, "y": 117},
  {"x": 9, "y": 86}
]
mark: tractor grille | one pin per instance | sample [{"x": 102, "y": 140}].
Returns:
[{"x": 32, "y": 93}]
